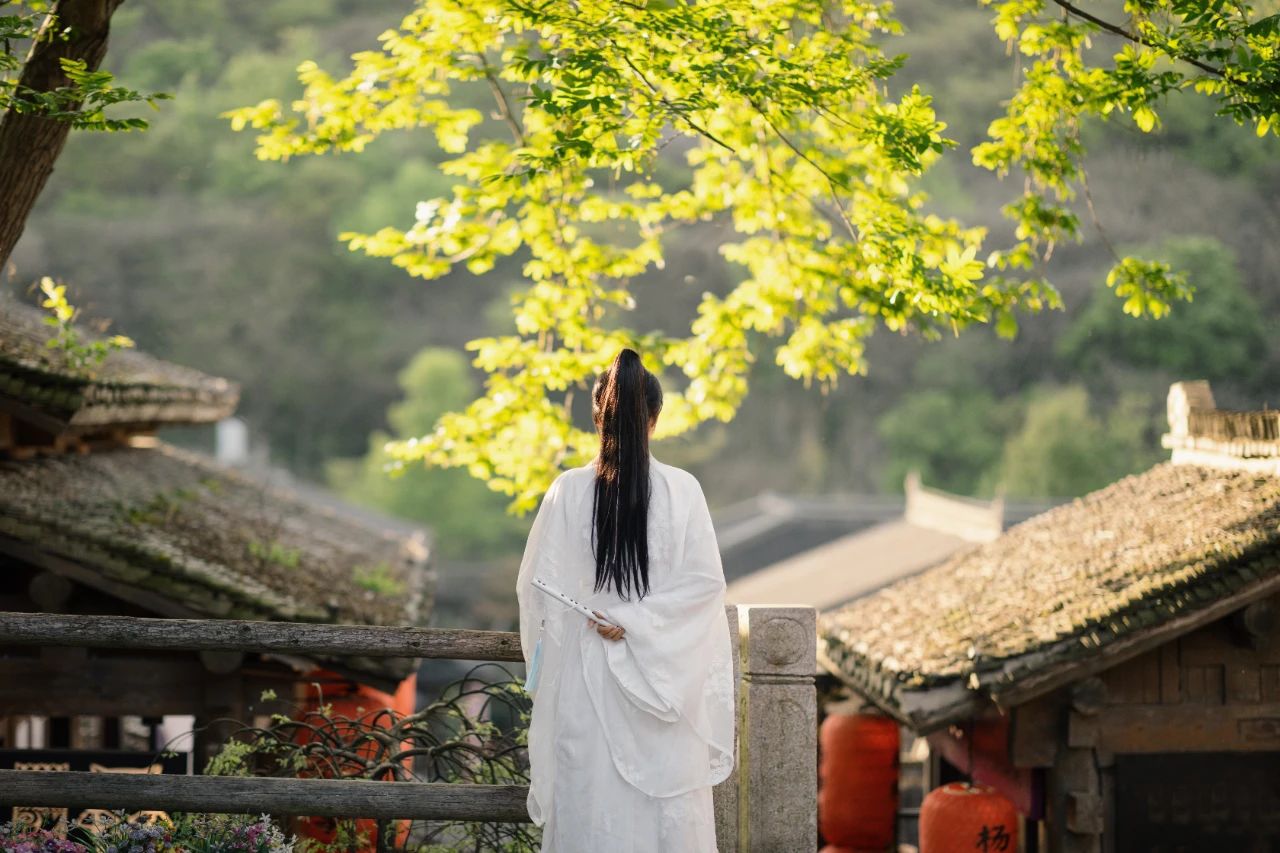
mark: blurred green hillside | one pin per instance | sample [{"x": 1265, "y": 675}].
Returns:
[{"x": 209, "y": 257}]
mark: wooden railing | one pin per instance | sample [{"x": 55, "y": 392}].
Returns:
[
  {"x": 230, "y": 635},
  {"x": 236, "y": 795},
  {"x": 769, "y": 803},
  {"x": 314, "y": 797}
]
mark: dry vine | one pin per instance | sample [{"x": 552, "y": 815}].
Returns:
[{"x": 474, "y": 732}]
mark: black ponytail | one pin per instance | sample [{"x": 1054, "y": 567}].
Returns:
[{"x": 625, "y": 400}]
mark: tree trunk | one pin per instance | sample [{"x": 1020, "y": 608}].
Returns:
[{"x": 30, "y": 144}]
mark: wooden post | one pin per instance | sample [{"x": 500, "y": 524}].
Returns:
[
  {"x": 223, "y": 715},
  {"x": 779, "y": 776},
  {"x": 1077, "y": 805}
]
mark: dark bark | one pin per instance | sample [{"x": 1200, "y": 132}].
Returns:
[{"x": 30, "y": 144}]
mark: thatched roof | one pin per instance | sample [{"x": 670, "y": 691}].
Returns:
[
  {"x": 1063, "y": 589},
  {"x": 128, "y": 388},
  {"x": 206, "y": 541}
]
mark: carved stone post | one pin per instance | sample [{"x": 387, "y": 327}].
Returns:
[
  {"x": 779, "y": 741},
  {"x": 726, "y": 793}
]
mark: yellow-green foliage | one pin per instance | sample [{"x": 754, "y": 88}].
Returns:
[{"x": 791, "y": 140}]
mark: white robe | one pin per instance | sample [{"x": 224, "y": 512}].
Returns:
[{"x": 627, "y": 737}]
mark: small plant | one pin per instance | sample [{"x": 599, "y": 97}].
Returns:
[
  {"x": 274, "y": 552},
  {"x": 221, "y": 833},
  {"x": 230, "y": 760},
  {"x": 81, "y": 357},
  {"x": 160, "y": 509},
  {"x": 378, "y": 579}
]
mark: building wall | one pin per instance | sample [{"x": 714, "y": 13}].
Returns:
[{"x": 1178, "y": 728}]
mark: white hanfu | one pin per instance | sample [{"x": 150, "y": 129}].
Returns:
[{"x": 628, "y": 737}]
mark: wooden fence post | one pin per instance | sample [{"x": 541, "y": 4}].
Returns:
[{"x": 779, "y": 741}]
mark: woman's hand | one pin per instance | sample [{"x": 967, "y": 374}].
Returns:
[{"x": 609, "y": 632}]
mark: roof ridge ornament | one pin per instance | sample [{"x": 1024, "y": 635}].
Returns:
[{"x": 972, "y": 519}]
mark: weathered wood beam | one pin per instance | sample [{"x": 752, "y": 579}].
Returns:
[
  {"x": 106, "y": 687},
  {"x": 236, "y": 795},
  {"x": 127, "y": 632},
  {"x": 1137, "y": 729}
]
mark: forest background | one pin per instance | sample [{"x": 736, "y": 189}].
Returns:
[{"x": 209, "y": 257}]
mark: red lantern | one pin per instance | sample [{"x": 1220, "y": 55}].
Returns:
[
  {"x": 959, "y": 817},
  {"x": 357, "y": 702},
  {"x": 858, "y": 774}
]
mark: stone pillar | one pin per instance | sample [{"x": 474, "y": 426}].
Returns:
[
  {"x": 726, "y": 793},
  {"x": 778, "y": 788}
]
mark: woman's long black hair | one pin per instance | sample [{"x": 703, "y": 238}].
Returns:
[{"x": 625, "y": 400}]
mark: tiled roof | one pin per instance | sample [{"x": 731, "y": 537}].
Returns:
[
  {"x": 212, "y": 541},
  {"x": 127, "y": 388},
  {"x": 1059, "y": 588},
  {"x": 839, "y": 571},
  {"x": 764, "y": 530}
]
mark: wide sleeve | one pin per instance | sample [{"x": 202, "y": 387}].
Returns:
[{"x": 543, "y": 557}]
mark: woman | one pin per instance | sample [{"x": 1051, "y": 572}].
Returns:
[{"x": 633, "y": 717}]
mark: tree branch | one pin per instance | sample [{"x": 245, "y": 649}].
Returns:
[
  {"x": 662, "y": 99},
  {"x": 504, "y": 106},
  {"x": 832, "y": 185},
  {"x": 1134, "y": 37}
]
